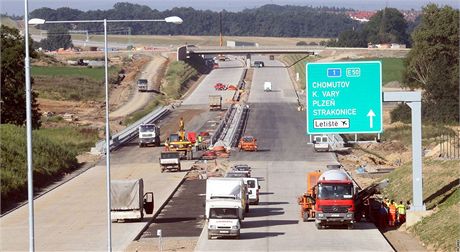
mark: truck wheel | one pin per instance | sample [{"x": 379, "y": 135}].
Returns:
[
  {"x": 350, "y": 226},
  {"x": 178, "y": 168},
  {"x": 162, "y": 170},
  {"x": 319, "y": 226},
  {"x": 237, "y": 236},
  {"x": 140, "y": 145},
  {"x": 256, "y": 202},
  {"x": 209, "y": 237},
  {"x": 305, "y": 216}
]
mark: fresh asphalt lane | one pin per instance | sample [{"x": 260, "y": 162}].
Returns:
[
  {"x": 228, "y": 72},
  {"x": 73, "y": 217},
  {"x": 281, "y": 164}
]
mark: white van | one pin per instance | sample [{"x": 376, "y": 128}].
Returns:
[
  {"x": 267, "y": 86},
  {"x": 223, "y": 218},
  {"x": 253, "y": 190}
]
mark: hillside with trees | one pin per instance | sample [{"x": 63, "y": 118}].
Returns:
[{"x": 268, "y": 20}]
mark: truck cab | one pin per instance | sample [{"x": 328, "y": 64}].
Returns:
[
  {"x": 170, "y": 160},
  {"x": 149, "y": 134},
  {"x": 224, "y": 219},
  {"x": 142, "y": 85},
  {"x": 335, "y": 199}
]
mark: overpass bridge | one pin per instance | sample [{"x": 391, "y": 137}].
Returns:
[
  {"x": 185, "y": 52},
  {"x": 188, "y": 51}
]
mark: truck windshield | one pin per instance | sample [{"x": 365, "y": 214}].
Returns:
[
  {"x": 223, "y": 213},
  {"x": 170, "y": 155},
  {"x": 335, "y": 191},
  {"x": 147, "y": 128},
  {"x": 251, "y": 184},
  {"x": 142, "y": 81}
]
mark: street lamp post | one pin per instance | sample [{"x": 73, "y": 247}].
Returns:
[{"x": 37, "y": 21}]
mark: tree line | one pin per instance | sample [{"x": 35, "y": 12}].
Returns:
[{"x": 268, "y": 20}]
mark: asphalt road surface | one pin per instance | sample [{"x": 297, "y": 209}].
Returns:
[
  {"x": 281, "y": 164},
  {"x": 229, "y": 72}
]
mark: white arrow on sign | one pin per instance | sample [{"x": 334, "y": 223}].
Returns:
[{"x": 371, "y": 115}]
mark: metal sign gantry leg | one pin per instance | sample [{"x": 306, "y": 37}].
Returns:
[{"x": 414, "y": 101}]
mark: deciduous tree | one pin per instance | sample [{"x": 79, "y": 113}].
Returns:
[{"x": 13, "y": 98}]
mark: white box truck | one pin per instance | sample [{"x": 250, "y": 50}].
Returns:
[
  {"x": 267, "y": 86},
  {"x": 227, "y": 188},
  {"x": 224, "y": 218},
  {"x": 128, "y": 200}
]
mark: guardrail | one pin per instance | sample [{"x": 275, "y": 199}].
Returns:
[
  {"x": 241, "y": 125},
  {"x": 222, "y": 126},
  {"x": 131, "y": 131}
]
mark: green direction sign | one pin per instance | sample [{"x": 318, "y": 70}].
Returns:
[{"x": 344, "y": 97}]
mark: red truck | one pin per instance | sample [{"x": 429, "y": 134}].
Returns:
[{"x": 329, "y": 200}]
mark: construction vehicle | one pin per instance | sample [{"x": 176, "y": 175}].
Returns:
[
  {"x": 215, "y": 102},
  {"x": 128, "y": 201},
  {"x": 248, "y": 143},
  {"x": 329, "y": 199},
  {"x": 149, "y": 133},
  {"x": 170, "y": 160},
  {"x": 180, "y": 143}
]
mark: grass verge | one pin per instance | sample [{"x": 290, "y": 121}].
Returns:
[
  {"x": 178, "y": 76},
  {"x": 54, "y": 152},
  {"x": 134, "y": 117},
  {"x": 441, "y": 194}
]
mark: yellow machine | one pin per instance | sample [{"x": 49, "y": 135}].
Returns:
[{"x": 178, "y": 142}]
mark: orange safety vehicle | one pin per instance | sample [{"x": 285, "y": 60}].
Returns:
[
  {"x": 248, "y": 143},
  {"x": 329, "y": 199}
]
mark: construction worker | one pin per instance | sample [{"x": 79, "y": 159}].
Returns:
[
  {"x": 181, "y": 124},
  {"x": 181, "y": 129},
  {"x": 167, "y": 144},
  {"x": 401, "y": 213},
  {"x": 392, "y": 214},
  {"x": 383, "y": 216}
]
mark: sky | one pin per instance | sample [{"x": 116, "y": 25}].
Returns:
[{"x": 16, "y": 7}]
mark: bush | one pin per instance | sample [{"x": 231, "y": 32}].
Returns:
[
  {"x": 402, "y": 113},
  {"x": 54, "y": 153},
  {"x": 301, "y": 43}
]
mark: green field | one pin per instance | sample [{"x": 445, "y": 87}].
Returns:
[
  {"x": 96, "y": 73},
  {"x": 392, "y": 69},
  {"x": 71, "y": 83}
]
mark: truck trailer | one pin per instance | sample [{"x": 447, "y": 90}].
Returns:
[{"x": 129, "y": 201}]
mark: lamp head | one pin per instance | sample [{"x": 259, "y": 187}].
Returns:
[
  {"x": 36, "y": 21},
  {"x": 174, "y": 19}
]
